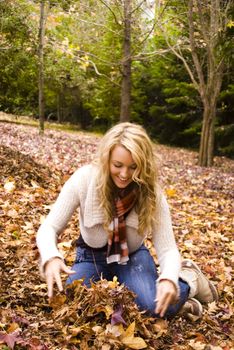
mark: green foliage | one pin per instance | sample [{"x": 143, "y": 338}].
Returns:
[
  {"x": 225, "y": 122},
  {"x": 17, "y": 57},
  {"x": 225, "y": 140},
  {"x": 167, "y": 106},
  {"x": 83, "y": 53}
]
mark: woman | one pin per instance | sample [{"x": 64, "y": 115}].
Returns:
[{"x": 120, "y": 204}]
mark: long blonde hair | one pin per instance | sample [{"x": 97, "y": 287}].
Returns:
[{"x": 135, "y": 139}]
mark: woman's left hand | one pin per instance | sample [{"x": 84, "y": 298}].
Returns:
[{"x": 166, "y": 295}]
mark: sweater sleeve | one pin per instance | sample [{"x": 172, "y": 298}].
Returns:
[
  {"x": 61, "y": 212},
  {"x": 165, "y": 245}
]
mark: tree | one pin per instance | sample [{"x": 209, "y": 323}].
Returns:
[
  {"x": 124, "y": 29},
  {"x": 41, "y": 38},
  {"x": 18, "y": 30},
  {"x": 201, "y": 41},
  {"x": 126, "y": 64}
]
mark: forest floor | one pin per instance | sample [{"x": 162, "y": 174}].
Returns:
[{"x": 32, "y": 170}]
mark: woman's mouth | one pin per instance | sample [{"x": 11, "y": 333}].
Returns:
[{"x": 122, "y": 179}]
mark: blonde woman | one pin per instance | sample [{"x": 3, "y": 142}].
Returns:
[{"x": 120, "y": 204}]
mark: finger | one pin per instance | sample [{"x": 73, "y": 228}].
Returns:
[
  {"x": 162, "y": 305},
  {"x": 159, "y": 302},
  {"x": 58, "y": 282},
  {"x": 163, "y": 300},
  {"x": 159, "y": 305},
  {"x": 50, "y": 284},
  {"x": 165, "y": 306},
  {"x": 159, "y": 298},
  {"x": 67, "y": 270}
]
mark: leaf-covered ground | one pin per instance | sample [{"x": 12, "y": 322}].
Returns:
[{"x": 32, "y": 171}]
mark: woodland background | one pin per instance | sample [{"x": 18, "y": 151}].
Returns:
[
  {"x": 68, "y": 71},
  {"x": 165, "y": 64}
]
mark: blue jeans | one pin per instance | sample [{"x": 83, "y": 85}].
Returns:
[{"x": 138, "y": 275}]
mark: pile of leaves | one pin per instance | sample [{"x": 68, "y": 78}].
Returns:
[{"x": 32, "y": 171}]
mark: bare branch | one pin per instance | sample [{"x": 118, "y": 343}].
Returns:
[
  {"x": 97, "y": 71},
  {"x": 146, "y": 55},
  {"x": 99, "y": 25},
  {"x": 98, "y": 58},
  {"x": 136, "y": 8},
  {"x": 181, "y": 57},
  {"x": 227, "y": 8},
  {"x": 193, "y": 50},
  {"x": 203, "y": 23},
  {"x": 146, "y": 37},
  {"x": 110, "y": 9}
]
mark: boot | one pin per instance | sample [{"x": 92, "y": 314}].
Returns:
[
  {"x": 200, "y": 287},
  {"x": 192, "y": 307}
]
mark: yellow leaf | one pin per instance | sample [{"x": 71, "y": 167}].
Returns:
[
  {"x": 74, "y": 331},
  {"x": 114, "y": 283},
  {"x": 171, "y": 192},
  {"x": 230, "y": 24},
  {"x": 134, "y": 343},
  {"x": 108, "y": 311},
  {"x": 130, "y": 330},
  {"x": 40, "y": 286},
  {"x": 13, "y": 326}
]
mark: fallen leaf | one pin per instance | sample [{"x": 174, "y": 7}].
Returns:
[
  {"x": 57, "y": 301},
  {"x": 9, "y": 186},
  {"x": 9, "y": 339},
  {"x": 129, "y": 340},
  {"x": 116, "y": 316}
]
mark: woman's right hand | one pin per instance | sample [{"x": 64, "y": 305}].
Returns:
[{"x": 53, "y": 268}]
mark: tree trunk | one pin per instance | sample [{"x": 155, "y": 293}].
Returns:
[
  {"x": 206, "y": 150},
  {"x": 41, "y": 98},
  {"x": 59, "y": 108},
  {"x": 126, "y": 65},
  {"x": 209, "y": 80}
]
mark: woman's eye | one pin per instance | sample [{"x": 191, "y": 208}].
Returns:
[
  {"x": 133, "y": 167},
  {"x": 117, "y": 165}
]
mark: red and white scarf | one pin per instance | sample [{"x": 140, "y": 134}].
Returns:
[{"x": 117, "y": 247}]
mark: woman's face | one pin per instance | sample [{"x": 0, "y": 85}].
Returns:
[{"x": 122, "y": 166}]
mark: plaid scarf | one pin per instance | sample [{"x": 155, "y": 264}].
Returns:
[{"x": 117, "y": 247}]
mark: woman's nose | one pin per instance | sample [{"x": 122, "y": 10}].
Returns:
[{"x": 124, "y": 172}]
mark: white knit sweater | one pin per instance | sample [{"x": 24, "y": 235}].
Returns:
[{"x": 80, "y": 192}]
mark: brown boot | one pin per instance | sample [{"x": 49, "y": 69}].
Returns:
[{"x": 200, "y": 287}]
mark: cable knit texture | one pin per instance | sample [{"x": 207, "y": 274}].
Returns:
[{"x": 79, "y": 192}]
